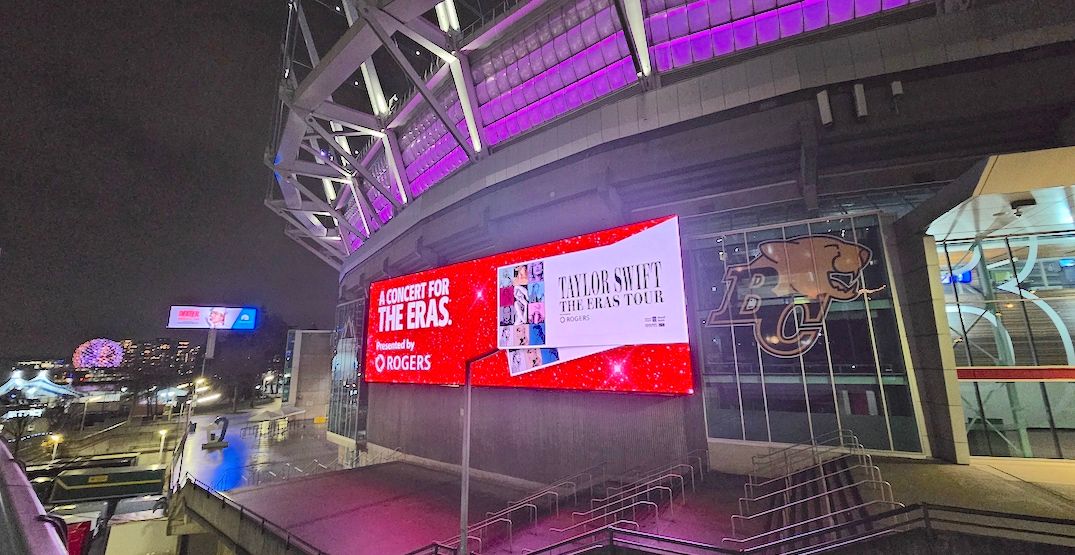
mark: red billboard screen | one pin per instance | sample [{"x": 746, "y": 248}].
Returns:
[{"x": 601, "y": 312}]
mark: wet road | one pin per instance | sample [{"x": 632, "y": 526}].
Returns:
[{"x": 224, "y": 469}]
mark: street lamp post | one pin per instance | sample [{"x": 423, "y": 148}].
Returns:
[
  {"x": 163, "y": 434},
  {"x": 56, "y": 440},
  {"x": 464, "y": 495}
]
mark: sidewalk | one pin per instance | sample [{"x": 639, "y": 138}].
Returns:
[{"x": 1032, "y": 487}]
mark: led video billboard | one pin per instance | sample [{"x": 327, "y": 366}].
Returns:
[
  {"x": 602, "y": 312},
  {"x": 212, "y": 317}
]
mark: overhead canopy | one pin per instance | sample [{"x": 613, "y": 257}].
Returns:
[
  {"x": 38, "y": 387},
  {"x": 1005, "y": 194}
]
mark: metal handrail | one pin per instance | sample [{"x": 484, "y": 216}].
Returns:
[
  {"x": 822, "y": 439},
  {"x": 609, "y": 505},
  {"x": 822, "y": 517},
  {"x": 665, "y": 470},
  {"x": 883, "y": 484},
  {"x": 920, "y": 515},
  {"x": 655, "y": 481},
  {"x": 796, "y": 453},
  {"x": 815, "y": 458},
  {"x": 563, "y": 482},
  {"x": 702, "y": 456},
  {"x": 865, "y": 458},
  {"x": 811, "y": 453},
  {"x": 604, "y": 517},
  {"x": 874, "y": 474}
]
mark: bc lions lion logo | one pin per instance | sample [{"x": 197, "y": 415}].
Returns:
[{"x": 763, "y": 291}]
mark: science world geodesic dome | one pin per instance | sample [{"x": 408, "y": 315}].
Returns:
[{"x": 98, "y": 353}]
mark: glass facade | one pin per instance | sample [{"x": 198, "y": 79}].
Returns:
[
  {"x": 799, "y": 335},
  {"x": 1010, "y": 303},
  {"x": 347, "y": 409}
]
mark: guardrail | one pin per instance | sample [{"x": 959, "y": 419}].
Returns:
[
  {"x": 264, "y": 523},
  {"x": 886, "y": 495},
  {"x": 930, "y": 518},
  {"x": 267, "y": 472},
  {"x": 670, "y": 469},
  {"x": 765, "y": 465},
  {"x": 872, "y": 471}
]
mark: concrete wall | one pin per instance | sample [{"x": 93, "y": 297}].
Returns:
[
  {"x": 141, "y": 537},
  {"x": 535, "y": 435},
  {"x": 311, "y": 372}
]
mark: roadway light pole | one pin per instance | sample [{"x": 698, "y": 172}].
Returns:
[
  {"x": 56, "y": 439},
  {"x": 464, "y": 495},
  {"x": 163, "y": 434}
]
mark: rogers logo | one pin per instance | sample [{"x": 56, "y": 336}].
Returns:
[{"x": 378, "y": 363}]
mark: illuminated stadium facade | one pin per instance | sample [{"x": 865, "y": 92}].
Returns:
[{"x": 926, "y": 144}]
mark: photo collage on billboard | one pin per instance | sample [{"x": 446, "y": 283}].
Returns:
[{"x": 521, "y": 328}]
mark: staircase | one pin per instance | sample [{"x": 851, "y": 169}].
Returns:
[
  {"x": 803, "y": 490},
  {"x": 639, "y": 499}
]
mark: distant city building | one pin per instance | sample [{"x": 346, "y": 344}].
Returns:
[{"x": 161, "y": 354}]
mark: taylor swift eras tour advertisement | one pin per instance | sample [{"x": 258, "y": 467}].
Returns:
[{"x": 603, "y": 312}]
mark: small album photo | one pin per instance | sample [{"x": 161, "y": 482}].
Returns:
[
  {"x": 537, "y": 271},
  {"x": 537, "y": 334},
  {"x": 504, "y": 334},
  {"x": 506, "y": 296},
  {"x": 517, "y": 363},
  {"x": 504, "y": 277},
  {"x": 536, "y": 291},
  {"x": 520, "y": 335},
  {"x": 520, "y": 304},
  {"x": 533, "y": 358},
  {"x": 536, "y": 313},
  {"x": 519, "y": 275},
  {"x": 506, "y": 315},
  {"x": 521, "y": 361}
]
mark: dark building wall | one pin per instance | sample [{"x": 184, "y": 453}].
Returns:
[
  {"x": 312, "y": 375},
  {"x": 537, "y": 435}
]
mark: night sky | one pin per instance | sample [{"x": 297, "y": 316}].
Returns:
[{"x": 131, "y": 148}]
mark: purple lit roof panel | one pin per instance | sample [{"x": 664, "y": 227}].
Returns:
[
  {"x": 701, "y": 46},
  {"x": 841, "y": 11},
  {"x": 662, "y": 56},
  {"x": 889, "y": 4},
  {"x": 677, "y": 22},
  {"x": 791, "y": 20},
  {"x": 697, "y": 16},
  {"x": 767, "y": 25},
  {"x": 763, "y": 5},
  {"x": 744, "y": 33},
  {"x": 658, "y": 28},
  {"x": 815, "y": 14},
  {"x": 606, "y": 21},
  {"x": 681, "y": 52},
  {"x": 742, "y": 8},
  {"x": 719, "y": 11},
  {"x": 723, "y": 40},
  {"x": 867, "y": 7}
]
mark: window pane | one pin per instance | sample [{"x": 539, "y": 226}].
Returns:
[
  {"x": 797, "y": 334},
  {"x": 1062, "y": 401}
]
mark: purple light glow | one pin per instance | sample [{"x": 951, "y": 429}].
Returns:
[
  {"x": 98, "y": 353},
  {"x": 753, "y": 22},
  {"x": 541, "y": 77}
]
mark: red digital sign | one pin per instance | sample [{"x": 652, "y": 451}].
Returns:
[{"x": 602, "y": 312}]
